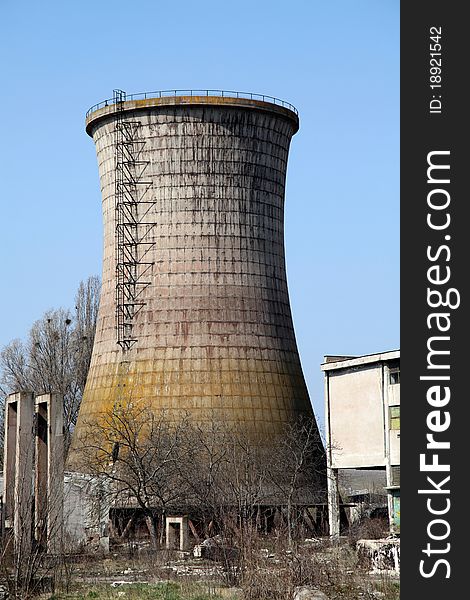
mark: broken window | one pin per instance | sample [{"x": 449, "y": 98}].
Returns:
[
  {"x": 394, "y": 378},
  {"x": 394, "y": 417}
]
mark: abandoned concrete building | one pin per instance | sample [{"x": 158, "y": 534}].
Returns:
[
  {"x": 362, "y": 416},
  {"x": 194, "y": 315}
]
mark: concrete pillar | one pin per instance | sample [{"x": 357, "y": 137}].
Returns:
[
  {"x": 177, "y": 533},
  {"x": 18, "y": 468},
  {"x": 9, "y": 461},
  {"x": 331, "y": 473},
  {"x": 49, "y": 469},
  {"x": 333, "y": 502},
  {"x": 41, "y": 473}
]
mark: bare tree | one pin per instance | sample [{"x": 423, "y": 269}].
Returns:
[
  {"x": 57, "y": 354},
  {"x": 226, "y": 471},
  {"x": 204, "y": 464},
  {"x": 298, "y": 468},
  {"x": 134, "y": 453},
  {"x": 86, "y": 315},
  {"x": 212, "y": 470}
]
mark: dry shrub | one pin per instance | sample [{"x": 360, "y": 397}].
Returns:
[
  {"x": 334, "y": 569},
  {"x": 368, "y": 529}
]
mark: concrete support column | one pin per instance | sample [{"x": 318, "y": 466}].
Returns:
[
  {"x": 331, "y": 473},
  {"x": 18, "y": 468},
  {"x": 49, "y": 469},
  {"x": 390, "y": 508},
  {"x": 9, "y": 460},
  {"x": 333, "y": 502}
]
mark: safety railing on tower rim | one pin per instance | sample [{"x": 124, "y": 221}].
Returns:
[{"x": 176, "y": 93}]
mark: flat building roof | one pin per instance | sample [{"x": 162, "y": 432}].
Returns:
[{"x": 332, "y": 362}]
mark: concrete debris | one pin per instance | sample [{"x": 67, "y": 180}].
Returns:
[
  {"x": 199, "y": 572},
  {"x": 215, "y": 548},
  {"x": 120, "y": 583},
  {"x": 217, "y": 540},
  {"x": 232, "y": 593},
  {"x": 309, "y": 593},
  {"x": 382, "y": 554}
]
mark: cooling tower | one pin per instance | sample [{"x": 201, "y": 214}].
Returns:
[{"x": 194, "y": 315}]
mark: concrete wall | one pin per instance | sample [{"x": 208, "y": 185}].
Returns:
[
  {"x": 86, "y": 509},
  {"x": 215, "y": 337},
  {"x": 82, "y": 510},
  {"x": 356, "y": 417}
]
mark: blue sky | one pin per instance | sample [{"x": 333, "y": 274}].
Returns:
[{"x": 337, "y": 61}]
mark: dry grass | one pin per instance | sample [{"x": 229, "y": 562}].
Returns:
[
  {"x": 140, "y": 591},
  {"x": 264, "y": 570}
]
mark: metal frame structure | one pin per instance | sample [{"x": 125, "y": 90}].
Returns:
[{"x": 132, "y": 208}]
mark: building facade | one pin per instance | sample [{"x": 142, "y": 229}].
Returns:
[{"x": 362, "y": 416}]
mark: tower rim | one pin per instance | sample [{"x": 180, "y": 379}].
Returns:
[{"x": 196, "y": 98}]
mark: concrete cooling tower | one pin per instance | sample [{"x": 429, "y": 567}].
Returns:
[{"x": 194, "y": 315}]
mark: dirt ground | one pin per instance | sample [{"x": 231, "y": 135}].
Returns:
[{"x": 267, "y": 574}]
